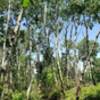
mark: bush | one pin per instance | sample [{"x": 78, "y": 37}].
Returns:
[
  {"x": 90, "y": 93},
  {"x": 87, "y": 93},
  {"x": 55, "y": 94},
  {"x": 69, "y": 83},
  {"x": 18, "y": 96},
  {"x": 47, "y": 76},
  {"x": 35, "y": 94}
]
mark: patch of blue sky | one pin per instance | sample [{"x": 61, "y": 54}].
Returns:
[
  {"x": 35, "y": 56},
  {"x": 98, "y": 55},
  {"x": 23, "y": 24},
  {"x": 81, "y": 33}
]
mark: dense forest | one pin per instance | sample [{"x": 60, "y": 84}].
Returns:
[{"x": 49, "y": 49}]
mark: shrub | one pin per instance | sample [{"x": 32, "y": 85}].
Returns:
[
  {"x": 35, "y": 94},
  {"x": 69, "y": 83},
  {"x": 47, "y": 76},
  {"x": 18, "y": 96},
  {"x": 87, "y": 93}
]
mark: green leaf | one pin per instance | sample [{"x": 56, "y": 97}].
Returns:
[{"x": 26, "y": 3}]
